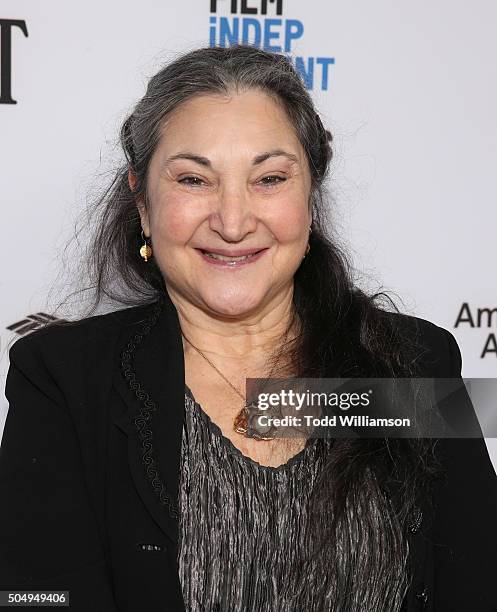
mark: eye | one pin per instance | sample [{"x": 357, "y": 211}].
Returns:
[
  {"x": 272, "y": 183},
  {"x": 188, "y": 180}
]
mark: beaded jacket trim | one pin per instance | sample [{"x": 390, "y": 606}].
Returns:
[{"x": 143, "y": 420}]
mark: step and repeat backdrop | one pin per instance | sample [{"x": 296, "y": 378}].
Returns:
[{"x": 409, "y": 91}]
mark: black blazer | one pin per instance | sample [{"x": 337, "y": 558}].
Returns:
[{"x": 89, "y": 466}]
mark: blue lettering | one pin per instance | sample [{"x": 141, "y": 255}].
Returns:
[
  {"x": 256, "y": 26},
  {"x": 293, "y": 30}
]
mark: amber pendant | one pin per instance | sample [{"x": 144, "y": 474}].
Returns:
[
  {"x": 240, "y": 422},
  {"x": 245, "y": 423}
]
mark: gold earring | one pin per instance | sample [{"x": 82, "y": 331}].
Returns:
[{"x": 146, "y": 249}]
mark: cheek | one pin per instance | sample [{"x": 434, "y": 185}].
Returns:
[
  {"x": 288, "y": 221},
  {"x": 175, "y": 220}
]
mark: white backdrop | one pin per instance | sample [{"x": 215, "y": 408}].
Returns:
[{"x": 409, "y": 91}]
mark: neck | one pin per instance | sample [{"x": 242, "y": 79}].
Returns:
[{"x": 248, "y": 337}]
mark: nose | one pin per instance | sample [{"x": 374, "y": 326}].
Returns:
[{"x": 233, "y": 217}]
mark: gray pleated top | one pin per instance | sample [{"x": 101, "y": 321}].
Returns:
[{"x": 242, "y": 527}]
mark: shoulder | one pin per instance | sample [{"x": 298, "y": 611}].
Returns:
[
  {"x": 437, "y": 351},
  {"x": 64, "y": 342}
]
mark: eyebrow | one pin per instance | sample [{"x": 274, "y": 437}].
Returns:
[{"x": 258, "y": 159}]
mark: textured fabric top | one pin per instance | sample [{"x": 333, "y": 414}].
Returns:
[{"x": 243, "y": 526}]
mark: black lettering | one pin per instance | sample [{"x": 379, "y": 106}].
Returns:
[
  {"x": 464, "y": 308},
  {"x": 250, "y": 10},
  {"x": 490, "y": 314},
  {"x": 233, "y": 6},
  {"x": 247, "y": 10},
  {"x": 490, "y": 346},
  {"x": 6, "y": 26},
  {"x": 279, "y": 6}
]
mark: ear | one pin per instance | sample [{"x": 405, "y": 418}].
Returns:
[
  {"x": 131, "y": 179},
  {"x": 142, "y": 210}
]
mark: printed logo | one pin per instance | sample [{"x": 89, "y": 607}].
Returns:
[
  {"x": 261, "y": 23},
  {"x": 31, "y": 323}
]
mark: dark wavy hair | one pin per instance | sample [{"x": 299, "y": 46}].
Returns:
[{"x": 345, "y": 332}]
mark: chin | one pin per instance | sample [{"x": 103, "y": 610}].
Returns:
[{"x": 232, "y": 305}]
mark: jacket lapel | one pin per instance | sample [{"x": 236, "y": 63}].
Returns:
[{"x": 149, "y": 376}]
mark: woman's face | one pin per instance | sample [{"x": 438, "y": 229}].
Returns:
[{"x": 228, "y": 178}]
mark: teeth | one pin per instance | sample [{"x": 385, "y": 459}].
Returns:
[{"x": 228, "y": 258}]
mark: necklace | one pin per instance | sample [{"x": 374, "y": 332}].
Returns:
[{"x": 241, "y": 423}]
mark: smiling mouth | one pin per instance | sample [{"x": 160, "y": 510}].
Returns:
[{"x": 230, "y": 259}]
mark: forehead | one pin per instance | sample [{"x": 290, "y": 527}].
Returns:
[{"x": 251, "y": 118}]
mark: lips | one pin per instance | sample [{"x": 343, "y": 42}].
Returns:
[
  {"x": 231, "y": 258},
  {"x": 232, "y": 252}
]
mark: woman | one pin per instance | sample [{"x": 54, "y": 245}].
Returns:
[{"x": 128, "y": 476}]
